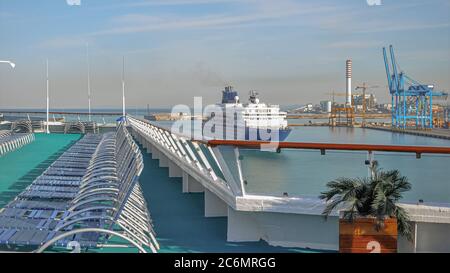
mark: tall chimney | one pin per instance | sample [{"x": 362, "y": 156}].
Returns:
[{"x": 348, "y": 76}]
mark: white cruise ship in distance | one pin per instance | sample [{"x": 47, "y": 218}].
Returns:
[{"x": 258, "y": 118}]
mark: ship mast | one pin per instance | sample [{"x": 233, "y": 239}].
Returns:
[
  {"x": 48, "y": 100},
  {"x": 123, "y": 86}
]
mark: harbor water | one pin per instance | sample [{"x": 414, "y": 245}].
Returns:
[{"x": 306, "y": 172}]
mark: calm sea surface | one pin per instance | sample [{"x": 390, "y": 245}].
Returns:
[
  {"x": 306, "y": 172},
  {"x": 303, "y": 172}
]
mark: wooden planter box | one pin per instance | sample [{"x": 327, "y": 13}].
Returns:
[{"x": 361, "y": 236}]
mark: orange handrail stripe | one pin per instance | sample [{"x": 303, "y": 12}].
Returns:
[{"x": 333, "y": 146}]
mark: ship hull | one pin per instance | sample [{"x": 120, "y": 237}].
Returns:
[
  {"x": 265, "y": 135},
  {"x": 250, "y": 133}
]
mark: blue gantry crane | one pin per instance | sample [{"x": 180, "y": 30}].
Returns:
[{"x": 412, "y": 102}]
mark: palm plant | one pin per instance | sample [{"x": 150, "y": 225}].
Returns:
[{"x": 376, "y": 197}]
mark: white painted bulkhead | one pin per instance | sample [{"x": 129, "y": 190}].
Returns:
[{"x": 283, "y": 229}]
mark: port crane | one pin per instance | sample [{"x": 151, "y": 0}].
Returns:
[{"x": 412, "y": 102}]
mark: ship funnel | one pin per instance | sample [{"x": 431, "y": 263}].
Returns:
[{"x": 229, "y": 95}]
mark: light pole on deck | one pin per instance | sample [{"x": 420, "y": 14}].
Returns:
[
  {"x": 13, "y": 65},
  {"x": 123, "y": 87},
  {"x": 48, "y": 101},
  {"x": 9, "y": 62},
  {"x": 88, "y": 81}
]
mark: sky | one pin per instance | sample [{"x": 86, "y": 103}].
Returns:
[{"x": 291, "y": 52}]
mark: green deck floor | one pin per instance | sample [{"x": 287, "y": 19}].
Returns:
[
  {"x": 178, "y": 218},
  {"x": 20, "y": 167}
]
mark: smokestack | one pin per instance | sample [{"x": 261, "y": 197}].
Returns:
[{"x": 348, "y": 76}]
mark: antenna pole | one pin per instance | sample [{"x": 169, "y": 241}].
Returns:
[
  {"x": 123, "y": 86},
  {"x": 48, "y": 101},
  {"x": 88, "y": 80}
]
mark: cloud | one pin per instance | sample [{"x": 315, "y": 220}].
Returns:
[
  {"x": 265, "y": 11},
  {"x": 135, "y": 18},
  {"x": 387, "y": 27},
  {"x": 155, "y": 3},
  {"x": 346, "y": 19},
  {"x": 63, "y": 42},
  {"x": 178, "y": 2},
  {"x": 351, "y": 44},
  {"x": 7, "y": 15}
]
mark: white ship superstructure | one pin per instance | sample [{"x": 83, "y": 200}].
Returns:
[
  {"x": 258, "y": 114},
  {"x": 254, "y": 120}
]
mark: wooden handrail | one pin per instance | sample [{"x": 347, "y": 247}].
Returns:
[{"x": 332, "y": 146}]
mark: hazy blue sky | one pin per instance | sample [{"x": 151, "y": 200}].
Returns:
[{"x": 292, "y": 52}]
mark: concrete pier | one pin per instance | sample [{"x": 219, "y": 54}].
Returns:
[{"x": 435, "y": 132}]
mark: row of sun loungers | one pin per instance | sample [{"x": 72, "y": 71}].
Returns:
[
  {"x": 90, "y": 193},
  {"x": 11, "y": 141},
  {"x": 22, "y": 126},
  {"x": 80, "y": 126}
]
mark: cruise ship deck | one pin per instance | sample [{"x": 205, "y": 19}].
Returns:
[{"x": 178, "y": 218}]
